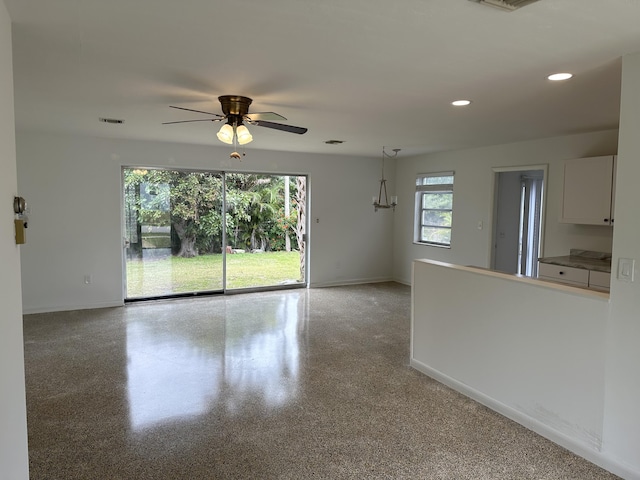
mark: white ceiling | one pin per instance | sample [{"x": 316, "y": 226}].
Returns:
[{"x": 369, "y": 72}]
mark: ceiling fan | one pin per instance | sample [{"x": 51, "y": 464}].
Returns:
[{"x": 235, "y": 111}]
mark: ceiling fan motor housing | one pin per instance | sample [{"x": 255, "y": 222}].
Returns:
[{"x": 235, "y": 105}]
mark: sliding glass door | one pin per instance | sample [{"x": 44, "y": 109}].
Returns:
[
  {"x": 173, "y": 232},
  {"x": 265, "y": 230},
  {"x": 178, "y": 242}
]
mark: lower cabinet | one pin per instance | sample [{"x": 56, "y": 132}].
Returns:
[
  {"x": 578, "y": 277},
  {"x": 599, "y": 280},
  {"x": 558, "y": 273}
]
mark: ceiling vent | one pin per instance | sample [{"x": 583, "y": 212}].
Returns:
[
  {"x": 115, "y": 121},
  {"x": 508, "y": 5}
]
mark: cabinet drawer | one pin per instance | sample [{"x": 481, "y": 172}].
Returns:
[
  {"x": 599, "y": 280},
  {"x": 575, "y": 276}
]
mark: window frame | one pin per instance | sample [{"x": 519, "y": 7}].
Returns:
[{"x": 421, "y": 189}]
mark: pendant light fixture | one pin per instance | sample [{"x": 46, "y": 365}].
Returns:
[{"x": 378, "y": 201}]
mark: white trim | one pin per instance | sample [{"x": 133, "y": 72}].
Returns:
[
  {"x": 518, "y": 168},
  {"x": 594, "y": 456},
  {"x": 420, "y": 191},
  {"x": 66, "y": 308},
  {"x": 354, "y": 281}
]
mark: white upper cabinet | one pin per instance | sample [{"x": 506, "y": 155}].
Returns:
[{"x": 589, "y": 190}]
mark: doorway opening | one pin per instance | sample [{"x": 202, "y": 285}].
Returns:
[
  {"x": 192, "y": 232},
  {"x": 518, "y": 219}
]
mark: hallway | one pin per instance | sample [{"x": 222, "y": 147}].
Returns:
[{"x": 289, "y": 384}]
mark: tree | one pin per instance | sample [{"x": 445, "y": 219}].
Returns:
[
  {"x": 287, "y": 210},
  {"x": 188, "y": 202},
  {"x": 253, "y": 200},
  {"x": 301, "y": 207}
]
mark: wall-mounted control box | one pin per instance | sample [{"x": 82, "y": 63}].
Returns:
[
  {"x": 20, "y": 234},
  {"x": 20, "y": 222}
]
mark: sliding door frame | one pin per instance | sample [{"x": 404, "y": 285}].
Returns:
[{"x": 304, "y": 283}]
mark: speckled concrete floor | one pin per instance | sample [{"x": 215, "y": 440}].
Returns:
[{"x": 293, "y": 384}]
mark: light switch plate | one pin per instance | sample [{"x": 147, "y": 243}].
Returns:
[{"x": 626, "y": 268}]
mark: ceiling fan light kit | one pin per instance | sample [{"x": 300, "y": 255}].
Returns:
[
  {"x": 225, "y": 134},
  {"x": 243, "y": 135},
  {"x": 235, "y": 109}
]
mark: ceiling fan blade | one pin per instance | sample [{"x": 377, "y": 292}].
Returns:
[
  {"x": 264, "y": 116},
  {"x": 197, "y": 111},
  {"x": 200, "y": 120},
  {"x": 280, "y": 126}
]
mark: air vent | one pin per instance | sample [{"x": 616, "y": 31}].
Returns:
[
  {"x": 508, "y": 5},
  {"x": 115, "y": 121},
  {"x": 334, "y": 142}
]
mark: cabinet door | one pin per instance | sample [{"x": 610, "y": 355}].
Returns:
[
  {"x": 599, "y": 280},
  {"x": 587, "y": 191}
]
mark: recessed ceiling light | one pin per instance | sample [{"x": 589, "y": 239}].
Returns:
[
  {"x": 461, "y": 103},
  {"x": 556, "y": 77}
]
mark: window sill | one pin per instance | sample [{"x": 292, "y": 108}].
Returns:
[{"x": 425, "y": 244}]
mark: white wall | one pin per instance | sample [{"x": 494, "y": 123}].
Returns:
[
  {"x": 530, "y": 350},
  {"x": 473, "y": 199},
  {"x": 13, "y": 433},
  {"x": 622, "y": 415},
  {"x": 73, "y": 187}
]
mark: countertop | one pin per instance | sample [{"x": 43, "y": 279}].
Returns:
[{"x": 585, "y": 259}]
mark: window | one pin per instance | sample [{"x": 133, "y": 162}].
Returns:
[{"x": 434, "y": 209}]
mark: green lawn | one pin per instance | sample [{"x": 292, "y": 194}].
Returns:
[{"x": 181, "y": 275}]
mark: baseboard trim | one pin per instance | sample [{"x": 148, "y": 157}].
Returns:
[
  {"x": 355, "y": 281},
  {"x": 594, "y": 456},
  {"x": 67, "y": 308}
]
